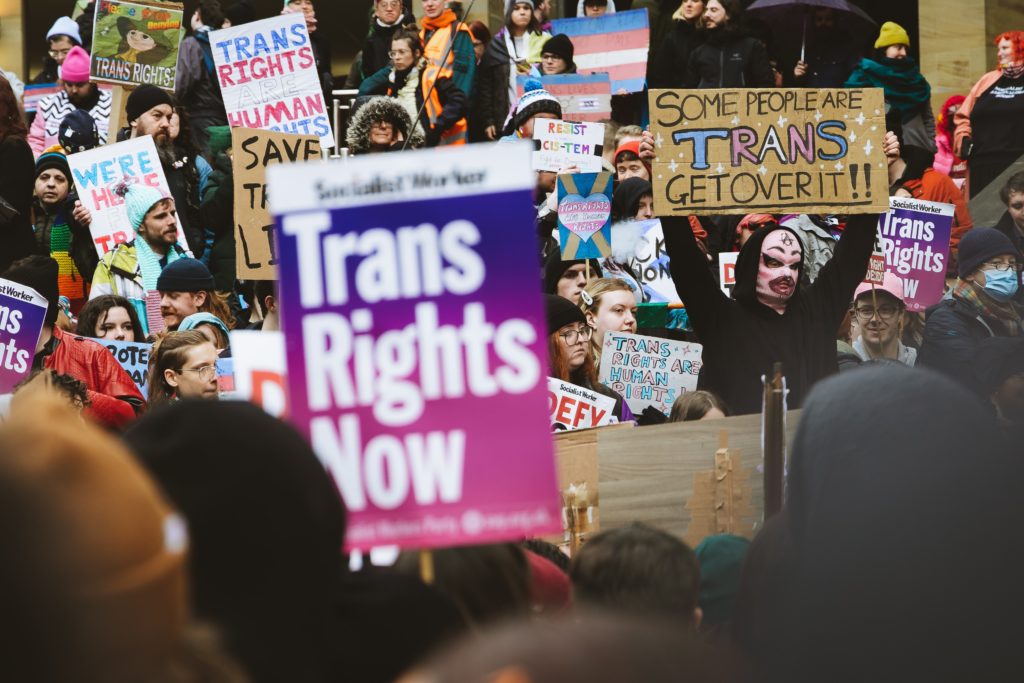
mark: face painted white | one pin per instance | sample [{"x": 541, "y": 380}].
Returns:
[{"x": 778, "y": 269}]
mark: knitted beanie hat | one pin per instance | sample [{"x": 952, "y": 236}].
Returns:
[
  {"x": 65, "y": 26},
  {"x": 185, "y": 275},
  {"x": 560, "y": 45},
  {"x": 144, "y": 98},
  {"x": 53, "y": 157},
  {"x": 75, "y": 68},
  {"x": 555, "y": 267},
  {"x": 562, "y": 312},
  {"x": 138, "y": 200},
  {"x": 78, "y": 132},
  {"x": 892, "y": 34},
  {"x": 535, "y": 100},
  {"x": 980, "y": 245},
  {"x": 123, "y": 547}
]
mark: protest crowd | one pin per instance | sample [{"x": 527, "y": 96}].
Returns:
[{"x": 273, "y": 380}]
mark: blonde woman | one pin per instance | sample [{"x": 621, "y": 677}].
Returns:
[{"x": 609, "y": 306}]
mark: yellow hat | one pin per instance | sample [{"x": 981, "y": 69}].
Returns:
[{"x": 892, "y": 34}]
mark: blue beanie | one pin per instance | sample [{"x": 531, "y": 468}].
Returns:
[
  {"x": 980, "y": 245},
  {"x": 185, "y": 275},
  {"x": 191, "y": 322},
  {"x": 138, "y": 200}
]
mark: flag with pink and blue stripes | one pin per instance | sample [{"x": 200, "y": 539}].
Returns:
[{"x": 613, "y": 43}]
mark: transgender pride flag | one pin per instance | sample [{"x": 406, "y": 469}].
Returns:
[{"x": 613, "y": 43}]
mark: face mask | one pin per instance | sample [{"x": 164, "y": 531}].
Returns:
[
  {"x": 1001, "y": 284},
  {"x": 775, "y": 285}
]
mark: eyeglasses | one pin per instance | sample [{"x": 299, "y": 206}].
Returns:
[
  {"x": 206, "y": 372},
  {"x": 399, "y": 53},
  {"x": 885, "y": 312},
  {"x": 573, "y": 336},
  {"x": 389, "y": 4},
  {"x": 59, "y": 53},
  {"x": 1001, "y": 266},
  {"x": 550, "y": 55}
]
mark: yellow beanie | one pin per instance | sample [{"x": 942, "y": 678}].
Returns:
[{"x": 892, "y": 34}]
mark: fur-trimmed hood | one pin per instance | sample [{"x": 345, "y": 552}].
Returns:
[{"x": 379, "y": 108}]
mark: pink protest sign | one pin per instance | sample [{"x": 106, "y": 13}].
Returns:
[{"x": 415, "y": 363}]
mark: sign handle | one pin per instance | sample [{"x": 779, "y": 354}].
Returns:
[
  {"x": 773, "y": 442},
  {"x": 427, "y": 567}
]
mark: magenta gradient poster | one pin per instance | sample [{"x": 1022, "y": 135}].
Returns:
[{"x": 416, "y": 343}]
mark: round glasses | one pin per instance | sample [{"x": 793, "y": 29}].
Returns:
[
  {"x": 573, "y": 336},
  {"x": 1001, "y": 266},
  {"x": 206, "y": 372}
]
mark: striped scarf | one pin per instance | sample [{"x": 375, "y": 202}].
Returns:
[
  {"x": 69, "y": 281},
  {"x": 149, "y": 262},
  {"x": 1001, "y": 314}
]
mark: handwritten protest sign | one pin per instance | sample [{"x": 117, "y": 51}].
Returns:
[
  {"x": 413, "y": 367},
  {"x": 22, "y": 314},
  {"x": 583, "y": 97},
  {"x": 574, "y": 407},
  {"x": 97, "y": 171},
  {"x": 727, "y": 270},
  {"x": 914, "y": 235},
  {"x": 584, "y": 215},
  {"x": 253, "y": 151},
  {"x": 260, "y": 369},
  {"x": 267, "y": 75},
  {"x": 616, "y": 44},
  {"x": 649, "y": 371},
  {"x": 650, "y": 263},
  {"x": 561, "y": 144},
  {"x": 769, "y": 150},
  {"x": 136, "y": 43},
  {"x": 133, "y": 357}
]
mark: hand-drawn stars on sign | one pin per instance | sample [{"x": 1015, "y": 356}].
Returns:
[
  {"x": 839, "y": 166},
  {"x": 672, "y": 165},
  {"x": 853, "y": 136},
  {"x": 782, "y": 121},
  {"x": 817, "y": 115},
  {"x": 762, "y": 170},
  {"x": 719, "y": 168},
  {"x": 735, "y": 121},
  {"x": 659, "y": 141},
  {"x": 860, "y": 119},
  {"x": 867, "y": 148}
]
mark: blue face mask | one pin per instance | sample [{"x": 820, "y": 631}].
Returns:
[{"x": 1001, "y": 284}]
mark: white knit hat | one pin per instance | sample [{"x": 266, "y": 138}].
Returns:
[{"x": 65, "y": 26}]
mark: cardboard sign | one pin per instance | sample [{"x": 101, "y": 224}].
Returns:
[
  {"x": 561, "y": 144},
  {"x": 253, "y": 151},
  {"x": 267, "y": 75},
  {"x": 771, "y": 150},
  {"x": 650, "y": 263},
  {"x": 97, "y": 171},
  {"x": 414, "y": 367},
  {"x": 574, "y": 407},
  {"x": 260, "y": 369},
  {"x": 615, "y": 44},
  {"x": 133, "y": 357},
  {"x": 649, "y": 371},
  {"x": 914, "y": 236},
  {"x": 585, "y": 215},
  {"x": 22, "y": 314},
  {"x": 136, "y": 43},
  {"x": 584, "y": 97},
  {"x": 727, "y": 270}
]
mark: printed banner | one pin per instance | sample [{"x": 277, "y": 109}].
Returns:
[
  {"x": 136, "y": 43},
  {"x": 616, "y": 44},
  {"x": 584, "y": 97},
  {"x": 35, "y": 93},
  {"x": 585, "y": 215},
  {"x": 777, "y": 150},
  {"x": 574, "y": 407},
  {"x": 727, "y": 271},
  {"x": 267, "y": 75},
  {"x": 133, "y": 357},
  {"x": 649, "y": 371},
  {"x": 561, "y": 144},
  {"x": 914, "y": 235},
  {"x": 22, "y": 314},
  {"x": 252, "y": 152},
  {"x": 415, "y": 364},
  {"x": 260, "y": 369},
  {"x": 97, "y": 171}
]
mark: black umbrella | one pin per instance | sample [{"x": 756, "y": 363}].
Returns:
[{"x": 788, "y": 12}]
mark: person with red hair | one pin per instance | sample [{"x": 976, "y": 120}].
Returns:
[
  {"x": 947, "y": 161},
  {"x": 990, "y": 122}
]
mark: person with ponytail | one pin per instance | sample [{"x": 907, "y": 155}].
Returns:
[{"x": 990, "y": 122}]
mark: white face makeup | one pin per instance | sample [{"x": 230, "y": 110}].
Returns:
[{"x": 778, "y": 269}]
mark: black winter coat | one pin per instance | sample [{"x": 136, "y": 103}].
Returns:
[
  {"x": 378, "y": 45},
  {"x": 492, "y": 104},
  {"x": 729, "y": 59},
  {"x": 952, "y": 334},
  {"x": 17, "y": 180},
  {"x": 742, "y": 338},
  {"x": 81, "y": 249},
  {"x": 668, "y": 70}
]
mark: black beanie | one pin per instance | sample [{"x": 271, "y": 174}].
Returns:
[
  {"x": 981, "y": 244},
  {"x": 39, "y": 273},
  {"x": 144, "y": 98},
  {"x": 185, "y": 275},
  {"x": 562, "y": 312},
  {"x": 78, "y": 132},
  {"x": 554, "y": 267},
  {"x": 560, "y": 45},
  {"x": 240, "y": 13},
  {"x": 626, "y": 198}
]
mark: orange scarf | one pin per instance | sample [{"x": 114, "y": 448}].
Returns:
[{"x": 445, "y": 18}]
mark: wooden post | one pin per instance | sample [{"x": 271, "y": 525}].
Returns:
[
  {"x": 427, "y": 567},
  {"x": 774, "y": 442}
]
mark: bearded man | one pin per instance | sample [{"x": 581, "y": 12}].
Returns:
[{"x": 149, "y": 111}]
